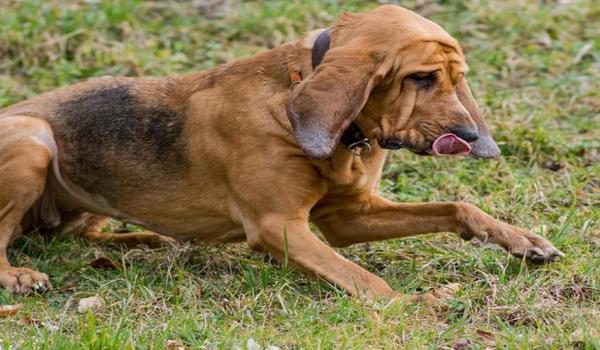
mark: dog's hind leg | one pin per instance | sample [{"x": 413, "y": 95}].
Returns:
[
  {"x": 91, "y": 227},
  {"x": 24, "y": 162}
]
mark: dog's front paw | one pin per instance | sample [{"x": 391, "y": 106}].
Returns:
[
  {"x": 23, "y": 280},
  {"x": 534, "y": 248},
  {"x": 523, "y": 243}
]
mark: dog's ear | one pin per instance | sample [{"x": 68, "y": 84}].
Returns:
[
  {"x": 322, "y": 106},
  {"x": 485, "y": 146}
]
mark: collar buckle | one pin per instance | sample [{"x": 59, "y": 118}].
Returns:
[{"x": 360, "y": 148}]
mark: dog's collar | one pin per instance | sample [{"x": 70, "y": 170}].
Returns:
[
  {"x": 320, "y": 47},
  {"x": 353, "y": 137}
]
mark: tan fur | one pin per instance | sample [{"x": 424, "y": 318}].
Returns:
[{"x": 250, "y": 173}]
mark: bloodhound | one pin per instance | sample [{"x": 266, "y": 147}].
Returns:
[{"x": 256, "y": 149}]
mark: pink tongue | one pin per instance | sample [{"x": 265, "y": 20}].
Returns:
[{"x": 450, "y": 144}]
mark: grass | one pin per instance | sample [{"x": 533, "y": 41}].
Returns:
[{"x": 535, "y": 67}]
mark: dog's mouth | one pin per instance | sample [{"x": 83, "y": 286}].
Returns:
[{"x": 449, "y": 144}]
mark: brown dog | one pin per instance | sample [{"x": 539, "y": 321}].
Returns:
[{"x": 255, "y": 149}]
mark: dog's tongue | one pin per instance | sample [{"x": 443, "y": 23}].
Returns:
[{"x": 450, "y": 144}]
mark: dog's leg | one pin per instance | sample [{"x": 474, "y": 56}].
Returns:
[
  {"x": 90, "y": 226},
  {"x": 292, "y": 241},
  {"x": 379, "y": 219},
  {"x": 24, "y": 165}
]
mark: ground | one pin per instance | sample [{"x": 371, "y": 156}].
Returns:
[{"x": 535, "y": 68}]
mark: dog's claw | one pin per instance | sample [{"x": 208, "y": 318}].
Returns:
[
  {"x": 538, "y": 260},
  {"x": 23, "y": 280},
  {"x": 558, "y": 253},
  {"x": 538, "y": 256},
  {"x": 41, "y": 287}
]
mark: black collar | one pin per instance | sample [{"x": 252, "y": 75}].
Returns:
[
  {"x": 320, "y": 47},
  {"x": 353, "y": 135}
]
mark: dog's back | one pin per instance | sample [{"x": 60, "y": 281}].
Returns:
[{"x": 112, "y": 130}]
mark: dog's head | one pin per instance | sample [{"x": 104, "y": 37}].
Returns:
[{"x": 400, "y": 77}]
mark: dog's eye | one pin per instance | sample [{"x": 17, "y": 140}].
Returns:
[{"x": 424, "y": 80}]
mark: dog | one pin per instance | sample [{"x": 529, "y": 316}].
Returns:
[{"x": 256, "y": 149}]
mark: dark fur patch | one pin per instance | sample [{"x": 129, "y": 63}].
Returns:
[{"x": 110, "y": 139}]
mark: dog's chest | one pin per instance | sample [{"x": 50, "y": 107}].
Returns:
[{"x": 349, "y": 172}]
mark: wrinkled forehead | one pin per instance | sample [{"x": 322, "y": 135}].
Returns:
[
  {"x": 390, "y": 22},
  {"x": 427, "y": 56},
  {"x": 396, "y": 30}
]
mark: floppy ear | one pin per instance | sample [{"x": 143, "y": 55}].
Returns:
[
  {"x": 321, "y": 107},
  {"x": 485, "y": 146}
]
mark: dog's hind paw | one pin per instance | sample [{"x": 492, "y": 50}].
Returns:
[{"x": 24, "y": 280}]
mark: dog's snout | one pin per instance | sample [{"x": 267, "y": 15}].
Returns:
[
  {"x": 467, "y": 134},
  {"x": 391, "y": 143}
]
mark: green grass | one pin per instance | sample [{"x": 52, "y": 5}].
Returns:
[{"x": 535, "y": 68}]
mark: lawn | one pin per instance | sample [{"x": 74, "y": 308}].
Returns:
[{"x": 535, "y": 69}]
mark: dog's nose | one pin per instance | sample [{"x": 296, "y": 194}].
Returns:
[
  {"x": 391, "y": 143},
  {"x": 469, "y": 135}
]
